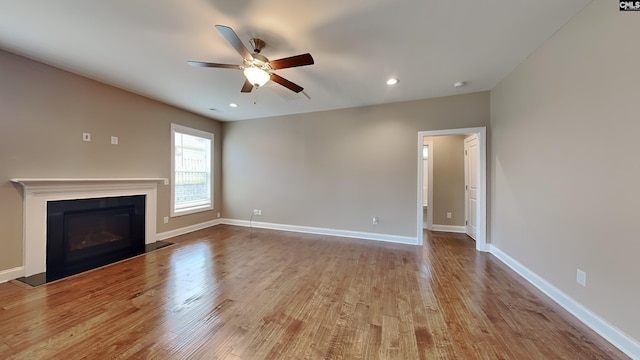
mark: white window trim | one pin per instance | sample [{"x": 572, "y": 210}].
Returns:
[{"x": 194, "y": 132}]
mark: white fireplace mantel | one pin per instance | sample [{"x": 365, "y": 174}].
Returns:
[{"x": 37, "y": 192}]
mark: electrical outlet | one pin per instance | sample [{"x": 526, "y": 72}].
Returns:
[
  {"x": 114, "y": 140},
  {"x": 581, "y": 277},
  {"x": 257, "y": 212},
  {"x": 86, "y": 137},
  {"x": 166, "y": 219},
  {"x": 375, "y": 220},
  {"x": 448, "y": 215},
  {"x": 218, "y": 214}
]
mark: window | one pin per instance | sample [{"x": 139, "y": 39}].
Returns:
[{"x": 191, "y": 178}]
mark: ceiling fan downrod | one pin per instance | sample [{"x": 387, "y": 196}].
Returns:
[{"x": 257, "y": 44}]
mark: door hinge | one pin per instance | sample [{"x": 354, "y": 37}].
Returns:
[
  {"x": 465, "y": 152},
  {"x": 466, "y": 222},
  {"x": 466, "y": 187}
]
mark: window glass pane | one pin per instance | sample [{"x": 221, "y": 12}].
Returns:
[{"x": 192, "y": 172}]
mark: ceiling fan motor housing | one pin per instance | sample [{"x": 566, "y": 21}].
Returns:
[{"x": 259, "y": 61}]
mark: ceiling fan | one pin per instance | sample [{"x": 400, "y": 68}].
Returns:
[{"x": 258, "y": 70}]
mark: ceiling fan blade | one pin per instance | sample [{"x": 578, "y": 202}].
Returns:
[
  {"x": 293, "y": 61},
  {"x": 286, "y": 83},
  {"x": 247, "y": 87},
  {"x": 235, "y": 41},
  {"x": 208, "y": 64}
]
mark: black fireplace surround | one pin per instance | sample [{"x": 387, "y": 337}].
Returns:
[{"x": 83, "y": 234}]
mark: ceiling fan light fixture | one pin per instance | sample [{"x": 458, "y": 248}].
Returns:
[{"x": 256, "y": 76}]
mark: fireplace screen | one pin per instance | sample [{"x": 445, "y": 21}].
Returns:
[{"x": 88, "y": 233}]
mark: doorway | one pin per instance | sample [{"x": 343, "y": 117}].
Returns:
[{"x": 479, "y": 204}]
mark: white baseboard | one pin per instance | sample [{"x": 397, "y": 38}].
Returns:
[
  {"x": 449, "y": 228},
  {"x": 615, "y": 336},
  {"x": 10, "y": 274},
  {"x": 324, "y": 231},
  {"x": 187, "y": 229}
]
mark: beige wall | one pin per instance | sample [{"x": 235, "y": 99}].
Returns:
[
  {"x": 337, "y": 169},
  {"x": 564, "y": 132},
  {"x": 43, "y": 113},
  {"x": 447, "y": 155}
]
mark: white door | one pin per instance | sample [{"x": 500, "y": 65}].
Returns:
[
  {"x": 425, "y": 176},
  {"x": 471, "y": 162},
  {"x": 426, "y": 200}
]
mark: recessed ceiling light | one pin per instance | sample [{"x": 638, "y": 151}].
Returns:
[
  {"x": 459, "y": 84},
  {"x": 392, "y": 81},
  {"x": 233, "y": 105}
]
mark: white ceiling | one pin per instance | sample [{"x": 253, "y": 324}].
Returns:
[{"x": 143, "y": 46}]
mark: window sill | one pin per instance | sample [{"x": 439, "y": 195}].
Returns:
[{"x": 193, "y": 210}]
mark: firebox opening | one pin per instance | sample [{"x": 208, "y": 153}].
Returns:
[{"x": 83, "y": 234}]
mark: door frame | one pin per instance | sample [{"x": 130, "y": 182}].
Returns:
[{"x": 481, "y": 230}]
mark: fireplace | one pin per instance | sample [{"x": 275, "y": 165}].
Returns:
[
  {"x": 39, "y": 192},
  {"x": 83, "y": 234}
]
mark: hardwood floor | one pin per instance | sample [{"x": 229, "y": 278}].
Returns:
[{"x": 235, "y": 293}]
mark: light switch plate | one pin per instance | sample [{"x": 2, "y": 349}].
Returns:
[{"x": 581, "y": 277}]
